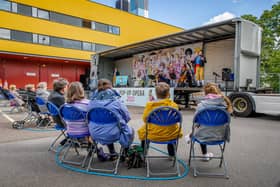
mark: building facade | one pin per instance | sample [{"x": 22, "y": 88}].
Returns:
[
  {"x": 44, "y": 40},
  {"x": 137, "y": 7}
]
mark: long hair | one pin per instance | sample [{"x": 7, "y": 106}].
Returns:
[
  {"x": 75, "y": 92},
  {"x": 212, "y": 88}
]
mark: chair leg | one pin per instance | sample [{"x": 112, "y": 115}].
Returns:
[{"x": 51, "y": 148}]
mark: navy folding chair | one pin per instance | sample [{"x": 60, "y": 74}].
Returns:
[
  {"x": 42, "y": 105},
  {"x": 164, "y": 117},
  {"x": 102, "y": 116},
  {"x": 54, "y": 111},
  {"x": 77, "y": 129},
  {"x": 216, "y": 121},
  {"x": 13, "y": 100}
]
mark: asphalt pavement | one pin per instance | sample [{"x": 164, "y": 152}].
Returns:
[{"x": 252, "y": 156}]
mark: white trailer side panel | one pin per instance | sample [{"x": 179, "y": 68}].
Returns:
[
  {"x": 267, "y": 104},
  {"x": 248, "y": 70},
  {"x": 219, "y": 55}
]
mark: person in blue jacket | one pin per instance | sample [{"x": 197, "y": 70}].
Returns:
[{"x": 106, "y": 96}]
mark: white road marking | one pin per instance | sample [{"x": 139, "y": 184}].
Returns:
[{"x": 7, "y": 117}]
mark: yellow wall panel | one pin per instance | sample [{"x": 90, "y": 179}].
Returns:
[
  {"x": 35, "y": 49},
  {"x": 133, "y": 28}
]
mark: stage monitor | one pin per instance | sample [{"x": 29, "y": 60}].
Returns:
[{"x": 121, "y": 80}]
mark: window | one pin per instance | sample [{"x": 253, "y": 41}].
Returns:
[
  {"x": 114, "y": 30},
  {"x": 86, "y": 23},
  {"x": 59, "y": 42},
  {"x": 43, "y": 14},
  {"x": 87, "y": 46},
  {"x": 35, "y": 38},
  {"x": 100, "y": 47},
  {"x": 21, "y": 36},
  {"x": 24, "y": 10},
  {"x": 61, "y": 18},
  {"x": 5, "y": 5},
  {"x": 42, "y": 39},
  {"x": 34, "y": 12},
  {"x": 14, "y": 7},
  {"x": 5, "y": 33},
  {"x": 101, "y": 27}
]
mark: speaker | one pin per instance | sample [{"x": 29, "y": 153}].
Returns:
[{"x": 226, "y": 72}]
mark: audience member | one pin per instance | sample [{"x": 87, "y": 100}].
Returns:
[
  {"x": 105, "y": 96},
  {"x": 160, "y": 133},
  {"x": 42, "y": 90},
  {"x": 57, "y": 96}
]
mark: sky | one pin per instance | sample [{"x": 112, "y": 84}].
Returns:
[{"x": 189, "y": 14}]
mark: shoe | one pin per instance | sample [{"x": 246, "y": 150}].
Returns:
[
  {"x": 207, "y": 156},
  {"x": 188, "y": 138},
  {"x": 171, "y": 158}
]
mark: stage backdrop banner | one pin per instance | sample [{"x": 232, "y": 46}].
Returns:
[{"x": 139, "y": 96}]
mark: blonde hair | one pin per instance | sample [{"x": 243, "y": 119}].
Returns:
[
  {"x": 75, "y": 92},
  {"x": 162, "y": 90},
  {"x": 212, "y": 88}
]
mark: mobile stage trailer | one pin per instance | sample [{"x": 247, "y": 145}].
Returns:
[{"x": 232, "y": 49}]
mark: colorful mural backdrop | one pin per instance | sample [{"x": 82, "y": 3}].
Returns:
[{"x": 171, "y": 65}]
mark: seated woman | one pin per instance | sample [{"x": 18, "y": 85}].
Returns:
[
  {"x": 76, "y": 97},
  {"x": 18, "y": 99},
  {"x": 159, "y": 133},
  {"x": 213, "y": 98},
  {"x": 105, "y": 96},
  {"x": 42, "y": 90}
]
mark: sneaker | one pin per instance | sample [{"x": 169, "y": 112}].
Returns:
[
  {"x": 187, "y": 138},
  {"x": 171, "y": 158},
  {"x": 207, "y": 156}
]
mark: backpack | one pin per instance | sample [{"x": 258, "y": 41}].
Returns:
[{"x": 135, "y": 157}]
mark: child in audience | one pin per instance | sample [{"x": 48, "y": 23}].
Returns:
[
  {"x": 158, "y": 133},
  {"x": 213, "y": 98}
]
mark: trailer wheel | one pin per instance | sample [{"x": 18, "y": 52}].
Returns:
[{"x": 242, "y": 105}]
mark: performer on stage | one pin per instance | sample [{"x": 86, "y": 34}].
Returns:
[{"x": 199, "y": 62}]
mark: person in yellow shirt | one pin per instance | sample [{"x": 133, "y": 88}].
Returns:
[{"x": 160, "y": 133}]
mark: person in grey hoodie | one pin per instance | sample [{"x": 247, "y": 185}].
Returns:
[{"x": 42, "y": 90}]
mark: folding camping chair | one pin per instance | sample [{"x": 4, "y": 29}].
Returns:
[
  {"x": 164, "y": 117},
  {"x": 44, "y": 113},
  {"x": 101, "y": 116},
  {"x": 215, "y": 122},
  {"x": 54, "y": 111},
  {"x": 77, "y": 129}
]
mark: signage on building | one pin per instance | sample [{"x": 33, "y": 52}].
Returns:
[
  {"x": 54, "y": 75},
  {"x": 31, "y": 74}
]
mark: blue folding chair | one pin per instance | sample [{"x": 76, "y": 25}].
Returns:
[
  {"x": 216, "y": 121},
  {"x": 77, "y": 129},
  {"x": 164, "y": 117},
  {"x": 102, "y": 116},
  {"x": 12, "y": 99},
  {"x": 42, "y": 104},
  {"x": 54, "y": 111}
]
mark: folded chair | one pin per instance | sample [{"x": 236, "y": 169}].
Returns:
[
  {"x": 42, "y": 105},
  {"x": 216, "y": 132},
  {"x": 77, "y": 129},
  {"x": 101, "y": 117},
  {"x": 54, "y": 111},
  {"x": 164, "y": 117}
]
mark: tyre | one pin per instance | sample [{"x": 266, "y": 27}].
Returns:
[{"x": 242, "y": 105}]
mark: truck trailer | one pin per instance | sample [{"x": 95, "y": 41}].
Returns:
[{"x": 232, "y": 49}]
